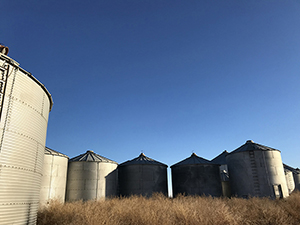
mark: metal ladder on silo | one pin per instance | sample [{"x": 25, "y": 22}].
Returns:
[
  {"x": 253, "y": 165},
  {"x": 4, "y": 69}
]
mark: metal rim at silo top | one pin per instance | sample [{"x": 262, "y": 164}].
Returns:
[
  {"x": 16, "y": 64},
  {"x": 142, "y": 160}
]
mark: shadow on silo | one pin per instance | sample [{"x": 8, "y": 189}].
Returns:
[{"x": 111, "y": 184}]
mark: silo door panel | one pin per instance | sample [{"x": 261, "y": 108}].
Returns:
[{"x": 277, "y": 191}]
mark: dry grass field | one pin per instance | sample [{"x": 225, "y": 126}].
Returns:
[{"x": 181, "y": 210}]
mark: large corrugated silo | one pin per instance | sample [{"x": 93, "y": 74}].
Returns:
[
  {"x": 196, "y": 176},
  {"x": 221, "y": 160},
  {"x": 54, "y": 178},
  {"x": 142, "y": 176},
  {"x": 256, "y": 170},
  {"x": 25, "y": 104},
  {"x": 91, "y": 177}
]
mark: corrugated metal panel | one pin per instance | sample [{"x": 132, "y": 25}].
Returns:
[
  {"x": 54, "y": 177},
  {"x": 142, "y": 176},
  {"x": 91, "y": 180},
  {"x": 257, "y": 172},
  {"x": 22, "y": 144}
]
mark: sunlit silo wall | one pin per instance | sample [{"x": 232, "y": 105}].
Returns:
[
  {"x": 54, "y": 177},
  {"x": 25, "y": 104},
  {"x": 256, "y": 170},
  {"x": 289, "y": 180},
  {"x": 221, "y": 160},
  {"x": 142, "y": 176},
  {"x": 196, "y": 176},
  {"x": 91, "y": 177},
  {"x": 296, "y": 175}
]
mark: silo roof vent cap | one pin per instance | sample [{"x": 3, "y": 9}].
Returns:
[
  {"x": 89, "y": 151},
  {"x": 249, "y": 141}
]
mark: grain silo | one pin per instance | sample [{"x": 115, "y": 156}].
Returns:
[
  {"x": 91, "y": 177},
  {"x": 25, "y": 104},
  {"x": 289, "y": 180},
  {"x": 296, "y": 175},
  {"x": 196, "y": 176},
  {"x": 142, "y": 176},
  {"x": 54, "y": 177},
  {"x": 221, "y": 160},
  {"x": 256, "y": 170}
]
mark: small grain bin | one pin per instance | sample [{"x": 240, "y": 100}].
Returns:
[
  {"x": 221, "y": 160},
  {"x": 296, "y": 176},
  {"x": 54, "y": 177},
  {"x": 91, "y": 177},
  {"x": 196, "y": 176},
  {"x": 289, "y": 180},
  {"x": 142, "y": 176},
  {"x": 256, "y": 170},
  {"x": 25, "y": 104}
]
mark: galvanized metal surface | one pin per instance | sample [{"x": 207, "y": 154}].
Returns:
[
  {"x": 23, "y": 124},
  {"x": 296, "y": 175},
  {"x": 91, "y": 178},
  {"x": 196, "y": 176},
  {"x": 142, "y": 176},
  {"x": 289, "y": 180},
  {"x": 221, "y": 159},
  {"x": 256, "y": 170},
  {"x": 54, "y": 179}
]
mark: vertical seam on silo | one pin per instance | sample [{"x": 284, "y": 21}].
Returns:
[
  {"x": 50, "y": 183},
  {"x": 97, "y": 177},
  {"x": 42, "y": 111},
  {"x": 8, "y": 107}
]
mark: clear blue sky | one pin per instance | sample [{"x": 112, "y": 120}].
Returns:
[{"x": 164, "y": 77}]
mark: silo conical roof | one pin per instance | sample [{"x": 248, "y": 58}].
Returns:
[
  {"x": 220, "y": 159},
  {"x": 141, "y": 160},
  {"x": 90, "y": 156},
  {"x": 251, "y": 146},
  {"x": 49, "y": 151},
  {"x": 192, "y": 160}
]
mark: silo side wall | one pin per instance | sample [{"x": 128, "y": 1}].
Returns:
[
  {"x": 54, "y": 179},
  {"x": 297, "y": 180},
  {"x": 142, "y": 180},
  {"x": 91, "y": 180},
  {"x": 289, "y": 181},
  {"x": 196, "y": 180},
  {"x": 257, "y": 173},
  {"x": 23, "y": 126}
]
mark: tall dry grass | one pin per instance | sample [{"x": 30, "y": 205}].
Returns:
[{"x": 181, "y": 210}]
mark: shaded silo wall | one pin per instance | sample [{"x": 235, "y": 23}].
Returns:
[
  {"x": 257, "y": 173},
  {"x": 221, "y": 159},
  {"x": 142, "y": 179},
  {"x": 296, "y": 176},
  {"x": 25, "y": 106},
  {"x": 91, "y": 180},
  {"x": 289, "y": 180},
  {"x": 54, "y": 179},
  {"x": 198, "y": 179}
]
